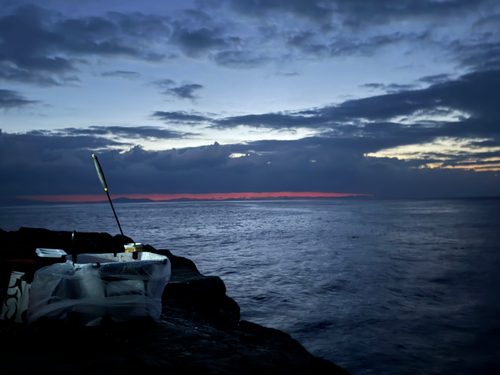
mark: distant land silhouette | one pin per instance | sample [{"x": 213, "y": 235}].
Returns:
[{"x": 16, "y": 201}]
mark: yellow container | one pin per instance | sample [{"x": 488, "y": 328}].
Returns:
[{"x": 133, "y": 247}]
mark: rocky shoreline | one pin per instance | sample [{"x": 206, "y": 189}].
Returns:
[{"x": 199, "y": 332}]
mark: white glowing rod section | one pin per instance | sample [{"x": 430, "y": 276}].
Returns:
[{"x": 100, "y": 174}]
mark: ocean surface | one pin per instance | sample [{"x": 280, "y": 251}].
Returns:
[{"x": 375, "y": 286}]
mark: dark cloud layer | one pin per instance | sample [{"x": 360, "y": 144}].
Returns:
[
  {"x": 63, "y": 165},
  {"x": 11, "y": 99},
  {"x": 339, "y": 28},
  {"x": 43, "y": 47},
  {"x": 46, "y": 48},
  {"x": 46, "y": 163}
]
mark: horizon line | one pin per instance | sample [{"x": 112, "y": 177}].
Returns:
[{"x": 87, "y": 198}]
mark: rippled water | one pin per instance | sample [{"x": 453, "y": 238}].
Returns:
[{"x": 378, "y": 287}]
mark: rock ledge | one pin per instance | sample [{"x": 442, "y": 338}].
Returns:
[{"x": 199, "y": 331}]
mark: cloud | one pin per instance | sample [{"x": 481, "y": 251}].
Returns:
[
  {"x": 163, "y": 83},
  {"x": 461, "y": 110},
  {"x": 42, "y": 47},
  {"x": 313, "y": 10},
  {"x": 374, "y": 85},
  {"x": 51, "y": 162},
  {"x": 368, "y": 46},
  {"x": 198, "y": 15},
  {"x": 269, "y": 120},
  {"x": 362, "y": 13},
  {"x": 39, "y": 78},
  {"x": 484, "y": 55},
  {"x": 356, "y": 13},
  {"x": 131, "y": 132},
  {"x": 305, "y": 42},
  {"x": 390, "y": 88},
  {"x": 181, "y": 117},
  {"x": 25, "y": 46},
  {"x": 12, "y": 99},
  {"x": 240, "y": 59},
  {"x": 196, "y": 43},
  {"x": 465, "y": 109},
  {"x": 473, "y": 94},
  {"x": 40, "y": 140},
  {"x": 183, "y": 91},
  {"x": 315, "y": 43},
  {"x": 34, "y": 164},
  {"x": 47, "y": 48},
  {"x": 437, "y": 78},
  {"x": 121, "y": 74},
  {"x": 311, "y": 29}
]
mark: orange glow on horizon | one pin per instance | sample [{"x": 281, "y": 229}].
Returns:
[{"x": 81, "y": 198}]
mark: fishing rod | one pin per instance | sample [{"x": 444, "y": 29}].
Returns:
[{"x": 100, "y": 174}]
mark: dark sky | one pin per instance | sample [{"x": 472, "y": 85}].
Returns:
[{"x": 396, "y": 98}]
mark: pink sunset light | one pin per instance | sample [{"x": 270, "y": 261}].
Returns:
[{"x": 80, "y": 198}]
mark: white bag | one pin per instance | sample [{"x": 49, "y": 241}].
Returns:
[{"x": 15, "y": 304}]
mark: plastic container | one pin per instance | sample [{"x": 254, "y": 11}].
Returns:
[
  {"x": 133, "y": 247},
  {"x": 99, "y": 286}
]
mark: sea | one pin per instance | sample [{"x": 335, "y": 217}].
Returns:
[{"x": 375, "y": 286}]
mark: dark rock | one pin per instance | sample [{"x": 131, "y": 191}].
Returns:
[
  {"x": 189, "y": 289},
  {"x": 26, "y": 240},
  {"x": 199, "y": 331}
]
